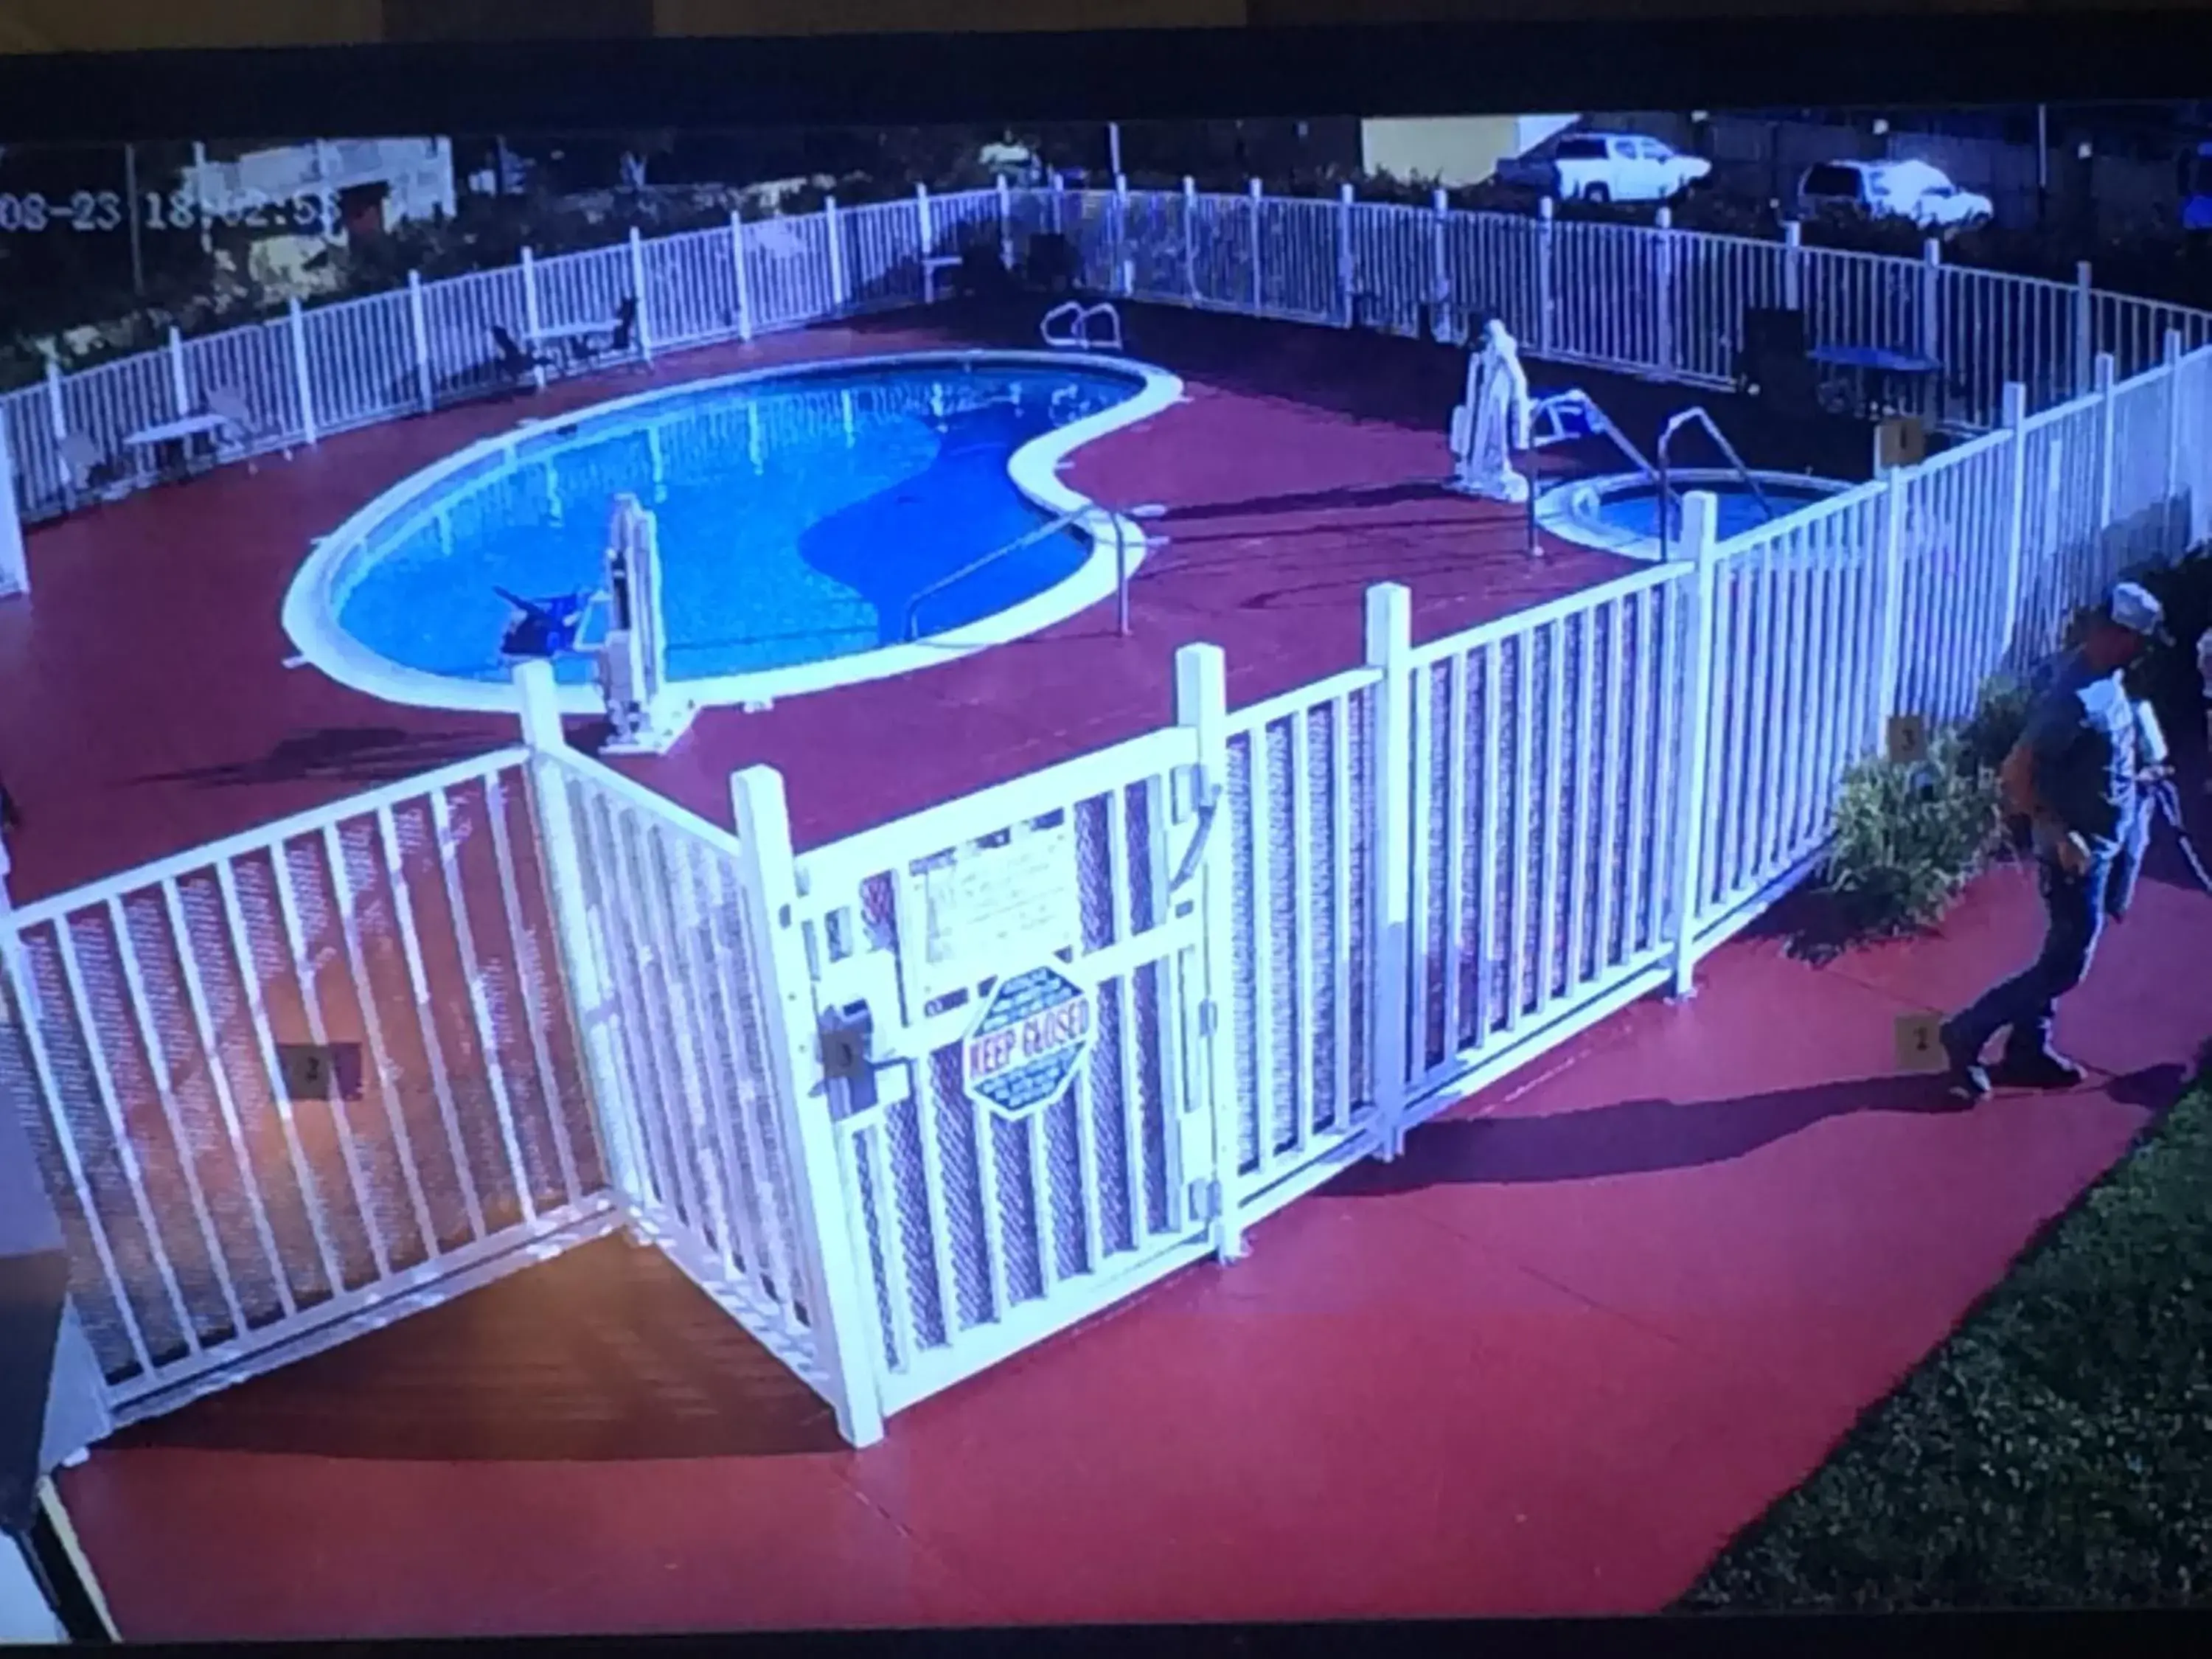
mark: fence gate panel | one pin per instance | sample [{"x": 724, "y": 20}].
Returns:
[
  {"x": 288, "y": 1087},
  {"x": 980, "y": 1230},
  {"x": 678, "y": 1031}
]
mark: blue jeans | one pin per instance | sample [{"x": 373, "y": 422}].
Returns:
[{"x": 2075, "y": 908}]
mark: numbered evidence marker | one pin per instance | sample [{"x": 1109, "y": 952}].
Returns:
[
  {"x": 1908, "y": 739},
  {"x": 315, "y": 1071},
  {"x": 1920, "y": 1044}
]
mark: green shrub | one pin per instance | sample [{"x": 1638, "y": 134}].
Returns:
[{"x": 1908, "y": 837}]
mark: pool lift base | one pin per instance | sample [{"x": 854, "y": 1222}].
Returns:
[{"x": 645, "y": 715}]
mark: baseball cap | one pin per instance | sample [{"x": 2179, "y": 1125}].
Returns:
[{"x": 2138, "y": 610}]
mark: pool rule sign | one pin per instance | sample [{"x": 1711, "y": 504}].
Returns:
[{"x": 1035, "y": 1030}]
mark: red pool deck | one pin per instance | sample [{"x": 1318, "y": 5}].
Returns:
[{"x": 1591, "y": 1325}]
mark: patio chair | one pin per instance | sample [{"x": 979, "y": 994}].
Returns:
[
  {"x": 239, "y": 424},
  {"x": 513, "y": 361},
  {"x": 90, "y": 470},
  {"x": 1050, "y": 265}
]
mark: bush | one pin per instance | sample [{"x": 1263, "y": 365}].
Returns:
[{"x": 1908, "y": 837}]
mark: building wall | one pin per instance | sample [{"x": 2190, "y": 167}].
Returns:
[
  {"x": 1452, "y": 150},
  {"x": 24, "y": 1614}
]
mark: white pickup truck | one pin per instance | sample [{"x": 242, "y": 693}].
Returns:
[
  {"x": 1606, "y": 167},
  {"x": 1916, "y": 191}
]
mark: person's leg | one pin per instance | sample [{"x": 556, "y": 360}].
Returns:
[
  {"x": 2027, "y": 1003},
  {"x": 2078, "y": 907}
]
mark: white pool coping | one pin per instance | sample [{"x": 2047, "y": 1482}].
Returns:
[
  {"x": 311, "y": 604},
  {"x": 1556, "y": 514}
]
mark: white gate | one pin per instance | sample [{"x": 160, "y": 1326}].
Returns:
[
  {"x": 672, "y": 958},
  {"x": 976, "y": 1234},
  {"x": 296, "y": 1084}
]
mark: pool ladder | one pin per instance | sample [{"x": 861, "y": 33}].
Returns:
[
  {"x": 1077, "y": 318},
  {"x": 1117, "y": 522},
  {"x": 1698, "y": 417}
]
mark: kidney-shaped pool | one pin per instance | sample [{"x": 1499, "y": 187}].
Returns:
[{"x": 818, "y": 524}]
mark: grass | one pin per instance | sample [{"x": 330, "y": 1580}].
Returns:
[{"x": 2057, "y": 1452}]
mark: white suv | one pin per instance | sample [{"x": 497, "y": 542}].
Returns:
[{"x": 1891, "y": 190}]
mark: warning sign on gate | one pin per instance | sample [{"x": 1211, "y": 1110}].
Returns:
[{"x": 1034, "y": 1032}]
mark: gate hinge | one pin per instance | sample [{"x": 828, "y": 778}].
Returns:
[
  {"x": 1209, "y": 1018},
  {"x": 1205, "y": 1200}
]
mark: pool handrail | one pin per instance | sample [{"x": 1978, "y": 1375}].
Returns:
[
  {"x": 1029, "y": 538},
  {"x": 1697, "y": 417}
]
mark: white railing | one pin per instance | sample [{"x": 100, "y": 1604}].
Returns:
[
  {"x": 1652, "y": 300},
  {"x": 173, "y": 1040}
]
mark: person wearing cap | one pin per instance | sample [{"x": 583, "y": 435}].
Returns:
[{"x": 2077, "y": 776}]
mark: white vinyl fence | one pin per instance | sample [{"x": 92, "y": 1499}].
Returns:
[
  {"x": 1644, "y": 300},
  {"x": 1284, "y": 934}
]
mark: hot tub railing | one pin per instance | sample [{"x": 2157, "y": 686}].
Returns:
[{"x": 1695, "y": 416}]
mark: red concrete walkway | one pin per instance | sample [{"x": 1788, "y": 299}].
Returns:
[{"x": 1547, "y": 1364}]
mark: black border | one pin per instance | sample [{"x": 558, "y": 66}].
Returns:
[
  {"x": 1707, "y": 63},
  {"x": 573, "y": 86}
]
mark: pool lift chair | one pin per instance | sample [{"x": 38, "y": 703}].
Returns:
[{"x": 645, "y": 714}]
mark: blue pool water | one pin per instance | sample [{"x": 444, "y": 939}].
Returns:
[
  {"x": 799, "y": 517},
  {"x": 1635, "y": 508}
]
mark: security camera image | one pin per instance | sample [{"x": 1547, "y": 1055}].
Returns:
[{"x": 1109, "y": 873}]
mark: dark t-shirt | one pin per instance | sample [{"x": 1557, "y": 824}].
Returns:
[{"x": 2081, "y": 732}]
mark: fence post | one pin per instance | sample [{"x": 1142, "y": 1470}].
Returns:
[
  {"x": 1390, "y": 640},
  {"x": 1005, "y": 223},
  {"x": 1255, "y": 196},
  {"x": 743, "y": 278},
  {"x": 1125, "y": 270},
  {"x": 1701, "y": 546},
  {"x": 2085, "y": 327},
  {"x": 1201, "y": 707},
  {"x": 418, "y": 317},
  {"x": 1190, "y": 239},
  {"x": 1546, "y": 225},
  {"x": 2102, "y": 381},
  {"x": 1059, "y": 205},
  {"x": 1440, "y": 276},
  {"x": 561, "y": 858},
  {"x": 533, "y": 316},
  {"x": 2014, "y": 421},
  {"x": 1662, "y": 284},
  {"x": 1889, "y": 638},
  {"x": 180, "y": 378},
  {"x": 1347, "y": 257},
  {"x": 303, "y": 380},
  {"x": 768, "y": 880},
  {"x": 639, "y": 287},
  {"x": 1793, "y": 266},
  {"x": 15, "y": 577},
  {"x": 834, "y": 234},
  {"x": 2171, "y": 545},
  {"x": 1931, "y": 323},
  {"x": 58, "y": 419},
  {"x": 926, "y": 229}
]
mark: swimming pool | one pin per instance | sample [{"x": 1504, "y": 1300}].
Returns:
[
  {"x": 1620, "y": 513},
  {"x": 809, "y": 519}
]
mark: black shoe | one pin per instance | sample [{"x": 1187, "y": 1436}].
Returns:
[
  {"x": 2040, "y": 1070},
  {"x": 1967, "y": 1079}
]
